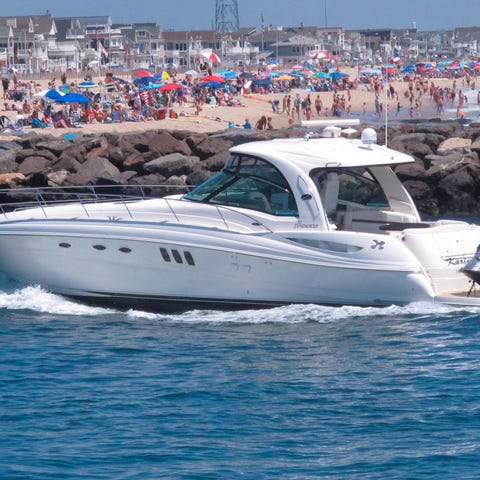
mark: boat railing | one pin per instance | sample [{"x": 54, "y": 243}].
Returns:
[
  {"x": 18, "y": 199},
  {"x": 15, "y": 199}
]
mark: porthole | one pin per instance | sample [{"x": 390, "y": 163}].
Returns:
[
  {"x": 124, "y": 249},
  {"x": 177, "y": 256},
  {"x": 64, "y": 245},
  {"x": 99, "y": 247},
  {"x": 189, "y": 258},
  {"x": 165, "y": 255}
]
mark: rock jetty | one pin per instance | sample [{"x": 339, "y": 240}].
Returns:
[{"x": 444, "y": 180}]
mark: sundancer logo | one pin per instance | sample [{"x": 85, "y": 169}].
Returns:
[{"x": 306, "y": 225}]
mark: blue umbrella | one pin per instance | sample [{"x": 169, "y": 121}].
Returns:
[
  {"x": 74, "y": 98},
  {"x": 53, "y": 94},
  {"x": 213, "y": 84},
  {"x": 145, "y": 80},
  {"x": 338, "y": 75}
]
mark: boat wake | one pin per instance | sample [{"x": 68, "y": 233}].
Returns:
[{"x": 37, "y": 299}]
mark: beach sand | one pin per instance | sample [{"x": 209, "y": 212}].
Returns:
[{"x": 216, "y": 118}]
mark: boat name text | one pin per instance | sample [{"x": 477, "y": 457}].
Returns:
[{"x": 306, "y": 225}]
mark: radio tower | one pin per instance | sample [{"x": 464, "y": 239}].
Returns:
[{"x": 226, "y": 16}]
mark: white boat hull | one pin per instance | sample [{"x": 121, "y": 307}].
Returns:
[{"x": 149, "y": 267}]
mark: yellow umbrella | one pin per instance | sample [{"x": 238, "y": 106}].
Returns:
[
  {"x": 165, "y": 75},
  {"x": 285, "y": 77}
]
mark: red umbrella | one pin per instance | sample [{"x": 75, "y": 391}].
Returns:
[
  {"x": 141, "y": 73},
  {"x": 170, "y": 86},
  {"x": 213, "y": 78}
]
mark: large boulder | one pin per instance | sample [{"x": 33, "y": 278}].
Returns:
[
  {"x": 161, "y": 142},
  {"x": 211, "y": 145},
  {"x": 98, "y": 168},
  {"x": 8, "y": 162},
  {"x": 33, "y": 165},
  {"x": 454, "y": 144},
  {"x": 173, "y": 164}
]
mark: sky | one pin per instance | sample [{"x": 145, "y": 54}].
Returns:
[{"x": 200, "y": 14}]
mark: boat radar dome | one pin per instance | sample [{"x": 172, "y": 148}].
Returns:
[{"x": 369, "y": 136}]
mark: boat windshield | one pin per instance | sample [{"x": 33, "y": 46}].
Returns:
[{"x": 248, "y": 182}]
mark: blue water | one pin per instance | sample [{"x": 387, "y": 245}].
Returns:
[{"x": 301, "y": 392}]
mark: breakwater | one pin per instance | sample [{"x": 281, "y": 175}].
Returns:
[{"x": 443, "y": 180}]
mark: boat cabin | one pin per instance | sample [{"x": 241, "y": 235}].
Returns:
[{"x": 332, "y": 183}]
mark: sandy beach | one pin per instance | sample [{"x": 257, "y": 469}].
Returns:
[{"x": 216, "y": 118}]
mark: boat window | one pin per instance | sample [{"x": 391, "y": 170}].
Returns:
[
  {"x": 355, "y": 185},
  {"x": 248, "y": 182}
]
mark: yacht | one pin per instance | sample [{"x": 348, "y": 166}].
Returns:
[{"x": 297, "y": 220}]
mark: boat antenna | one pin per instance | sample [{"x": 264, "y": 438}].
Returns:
[{"x": 386, "y": 98}]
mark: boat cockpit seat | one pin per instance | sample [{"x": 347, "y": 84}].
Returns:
[{"x": 329, "y": 193}]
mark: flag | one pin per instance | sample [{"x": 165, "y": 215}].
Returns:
[{"x": 102, "y": 49}]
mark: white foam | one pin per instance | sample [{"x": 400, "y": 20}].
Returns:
[
  {"x": 37, "y": 299},
  {"x": 292, "y": 314}
]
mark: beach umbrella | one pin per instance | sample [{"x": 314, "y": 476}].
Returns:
[
  {"x": 322, "y": 74},
  {"x": 53, "y": 94},
  {"x": 170, "y": 86},
  {"x": 409, "y": 69},
  {"x": 87, "y": 84},
  {"x": 193, "y": 73},
  {"x": 73, "y": 98},
  {"x": 285, "y": 77},
  {"x": 213, "y": 78},
  {"x": 163, "y": 75},
  {"x": 338, "y": 75},
  {"x": 317, "y": 55},
  {"x": 246, "y": 75},
  {"x": 213, "y": 84},
  {"x": 210, "y": 55},
  {"x": 145, "y": 80},
  {"x": 141, "y": 73}
]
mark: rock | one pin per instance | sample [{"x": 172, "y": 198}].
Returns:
[
  {"x": 459, "y": 192},
  {"x": 98, "y": 168},
  {"x": 55, "y": 146},
  {"x": 33, "y": 165},
  {"x": 8, "y": 180},
  {"x": 7, "y": 161},
  {"x": 56, "y": 179},
  {"x": 173, "y": 164},
  {"x": 9, "y": 145},
  {"x": 461, "y": 144},
  {"x": 40, "y": 152},
  {"x": 198, "y": 176},
  {"x": 216, "y": 162},
  {"x": 411, "y": 171},
  {"x": 422, "y": 195},
  {"x": 210, "y": 146}
]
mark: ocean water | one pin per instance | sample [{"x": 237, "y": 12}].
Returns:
[{"x": 298, "y": 392}]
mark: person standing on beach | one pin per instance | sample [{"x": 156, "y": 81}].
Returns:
[
  {"x": 318, "y": 105},
  {"x": 5, "y": 85}
]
